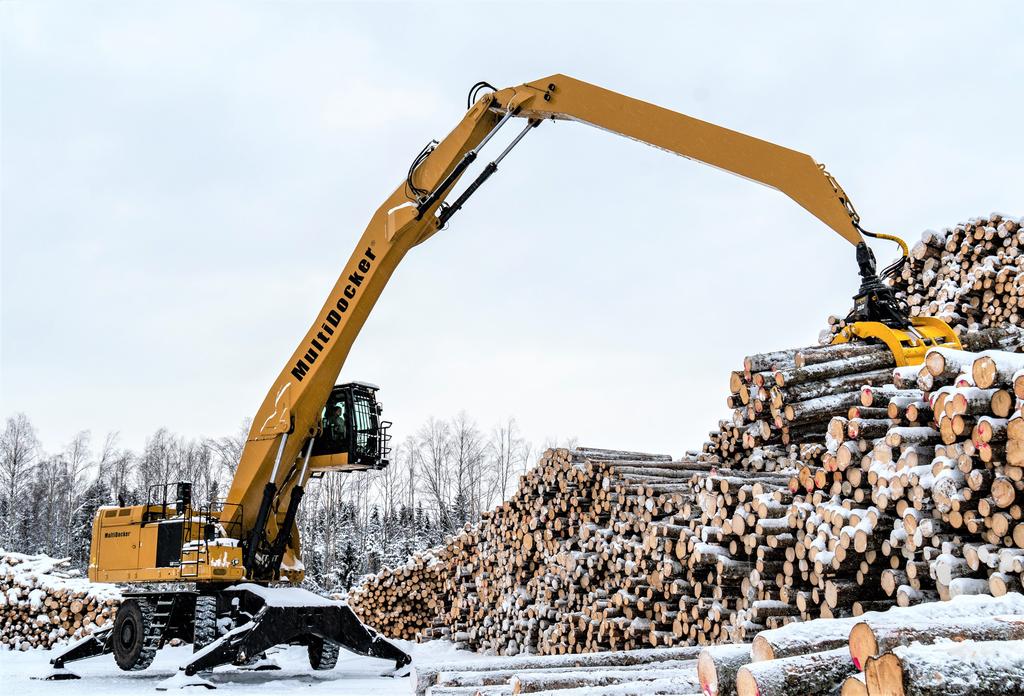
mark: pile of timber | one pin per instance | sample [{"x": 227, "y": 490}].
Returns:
[
  {"x": 566, "y": 565},
  {"x": 969, "y": 645},
  {"x": 841, "y": 485},
  {"x": 789, "y": 397},
  {"x": 408, "y": 599},
  {"x": 971, "y": 275},
  {"x": 908, "y": 494},
  {"x": 44, "y": 601},
  {"x": 915, "y": 494}
]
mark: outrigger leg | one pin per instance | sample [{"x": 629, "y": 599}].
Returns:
[
  {"x": 97, "y": 643},
  {"x": 293, "y": 615}
]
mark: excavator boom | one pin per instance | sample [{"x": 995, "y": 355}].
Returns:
[
  {"x": 793, "y": 173},
  {"x": 418, "y": 208}
]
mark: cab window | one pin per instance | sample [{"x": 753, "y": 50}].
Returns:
[
  {"x": 365, "y": 423},
  {"x": 334, "y": 421}
]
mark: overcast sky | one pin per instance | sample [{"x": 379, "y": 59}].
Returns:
[{"x": 183, "y": 182}]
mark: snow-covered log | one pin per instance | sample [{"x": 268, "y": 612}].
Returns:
[
  {"x": 717, "y": 667},
  {"x": 867, "y": 641},
  {"x": 827, "y": 634},
  {"x": 816, "y": 673},
  {"x": 507, "y": 667},
  {"x": 996, "y": 366},
  {"x": 949, "y": 669}
]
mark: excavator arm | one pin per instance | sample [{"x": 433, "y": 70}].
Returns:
[
  {"x": 272, "y": 464},
  {"x": 797, "y": 175}
]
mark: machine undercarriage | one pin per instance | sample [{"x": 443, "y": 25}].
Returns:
[{"x": 234, "y": 625}]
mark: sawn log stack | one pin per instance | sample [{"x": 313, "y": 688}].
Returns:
[
  {"x": 840, "y": 485},
  {"x": 44, "y": 601},
  {"x": 777, "y": 520}
]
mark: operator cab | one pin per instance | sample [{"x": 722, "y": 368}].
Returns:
[{"x": 352, "y": 435}]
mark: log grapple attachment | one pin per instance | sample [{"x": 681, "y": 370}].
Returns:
[{"x": 880, "y": 315}]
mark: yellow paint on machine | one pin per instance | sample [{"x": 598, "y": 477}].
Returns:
[{"x": 124, "y": 549}]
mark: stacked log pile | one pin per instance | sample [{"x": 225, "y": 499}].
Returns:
[
  {"x": 407, "y": 600},
  {"x": 789, "y": 397},
  {"x": 43, "y": 601},
  {"x": 603, "y": 550},
  {"x": 971, "y": 275},
  {"x": 583, "y": 557},
  {"x": 841, "y": 485},
  {"x": 919, "y": 505}
]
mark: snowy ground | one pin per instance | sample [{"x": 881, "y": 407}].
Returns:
[{"x": 354, "y": 675}]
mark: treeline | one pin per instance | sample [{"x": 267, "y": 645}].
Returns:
[{"x": 441, "y": 477}]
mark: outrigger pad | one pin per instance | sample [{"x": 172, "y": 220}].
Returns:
[
  {"x": 180, "y": 680},
  {"x": 290, "y": 615},
  {"x": 58, "y": 674},
  {"x": 261, "y": 664},
  {"x": 399, "y": 672}
]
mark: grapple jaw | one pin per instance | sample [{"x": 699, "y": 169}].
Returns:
[{"x": 909, "y": 345}]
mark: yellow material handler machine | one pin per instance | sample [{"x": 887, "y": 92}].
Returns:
[{"x": 225, "y": 564}]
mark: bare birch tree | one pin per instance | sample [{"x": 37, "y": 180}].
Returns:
[
  {"x": 75, "y": 463},
  {"x": 391, "y": 481},
  {"x": 116, "y": 468},
  {"x": 227, "y": 450},
  {"x": 507, "y": 450},
  {"x": 19, "y": 450},
  {"x": 467, "y": 459},
  {"x": 432, "y": 458}
]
